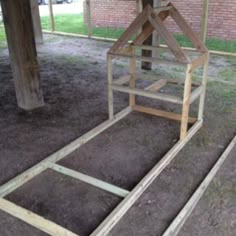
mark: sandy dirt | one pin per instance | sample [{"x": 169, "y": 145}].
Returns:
[{"x": 73, "y": 75}]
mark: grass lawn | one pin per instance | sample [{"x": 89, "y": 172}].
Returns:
[{"x": 75, "y": 24}]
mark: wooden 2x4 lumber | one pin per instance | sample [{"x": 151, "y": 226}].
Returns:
[
  {"x": 168, "y": 38},
  {"x": 161, "y": 9},
  {"x": 90, "y": 180},
  {"x": 105, "y": 227},
  {"x": 186, "y": 102},
  {"x": 33, "y": 219},
  {"x": 157, "y": 85},
  {"x": 176, "y": 225},
  {"x": 196, "y": 93},
  {"x": 199, "y": 61},
  {"x": 141, "y": 92},
  {"x": 27, "y": 175},
  {"x": 122, "y": 80},
  {"x": 131, "y": 30},
  {"x": 150, "y": 59},
  {"x": 149, "y": 29},
  {"x": 184, "y": 26},
  {"x": 160, "y": 113}
]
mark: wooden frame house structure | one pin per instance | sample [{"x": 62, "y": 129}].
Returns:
[{"x": 152, "y": 20}]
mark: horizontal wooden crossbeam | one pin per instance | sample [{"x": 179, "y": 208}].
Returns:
[
  {"x": 90, "y": 180},
  {"x": 160, "y": 113},
  {"x": 141, "y": 92},
  {"x": 19, "y": 180}
]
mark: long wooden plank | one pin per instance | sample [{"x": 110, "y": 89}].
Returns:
[
  {"x": 187, "y": 30},
  {"x": 168, "y": 38},
  {"x": 160, "y": 113},
  {"x": 27, "y": 175},
  {"x": 122, "y": 80},
  {"x": 149, "y": 29},
  {"x": 141, "y": 92},
  {"x": 33, "y": 219},
  {"x": 199, "y": 61},
  {"x": 204, "y": 21},
  {"x": 90, "y": 180},
  {"x": 126, "y": 204},
  {"x": 131, "y": 30},
  {"x": 183, "y": 215},
  {"x": 156, "y": 86}
]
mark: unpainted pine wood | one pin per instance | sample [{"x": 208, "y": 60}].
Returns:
[
  {"x": 33, "y": 219},
  {"x": 204, "y": 21},
  {"x": 52, "y": 22},
  {"x": 29, "y": 174},
  {"x": 186, "y": 29},
  {"x": 199, "y": 61},
  {"x": 176, "y": 225},
  {"x": 168, "y": 38},
  {"x": 203, "y": 95},
  {"x": 109, "y": 83},
  {"x": 148, "y": 30},
  {"x": 131, "y": 30},
  {"x": 122, "y": 80},
  {"x": 106, "y": 226},
  {"x": 141, "y": 92},
  {"x": 164, "y": 114},
  {"x": 36, "y": 22},
  {"x": 148, "y": 41},
  {"x": 156, "y": 86},
  {"x": 132, "y": 82},
  {"x": 196, "y": 94},
  {"x": 186, "y": 102},
  {"x": 90, "y": 180},
  {"x": 23, "y": 56}
]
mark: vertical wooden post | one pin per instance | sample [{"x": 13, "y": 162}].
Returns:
[
  {"x": 21, "y": 43},
  {"x": 52, "y": 22},
  {"x": 204, "y": 20},
  {"x": 132, "y": 82},
  {"x": 36, "y": 21},
  {"x": 155, "y": 37},
  {"x": 148, "y": 41},
  {"x": 89, "y": 20},
  {"x": 110, "y": 92},
  {"x": 203, "y": 95},
  {"x": 186, "y": 102}
]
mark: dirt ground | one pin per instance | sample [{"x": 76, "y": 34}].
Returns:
[{"x": 73, "y": 75}]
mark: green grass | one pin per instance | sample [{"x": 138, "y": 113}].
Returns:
[
  {"x": 75, "y": 24},
  {"x": 212, "y": 44}
]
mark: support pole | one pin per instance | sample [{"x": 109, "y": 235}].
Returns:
[
  {"x": 36, "y": 21},
  {"x": 204, "y": 20},
  {"x": 89, "y": 21},
  {"x": 21, "y": 43},
  {"x": 156, "y": 40},
  {"x": 148, "y": 41},
  {"x": 52, "y": 22}
]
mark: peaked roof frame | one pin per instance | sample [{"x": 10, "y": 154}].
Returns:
[{"x": 153, "y": 19}]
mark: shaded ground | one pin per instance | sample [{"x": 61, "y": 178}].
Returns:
[{"x": 76, "y": 97}]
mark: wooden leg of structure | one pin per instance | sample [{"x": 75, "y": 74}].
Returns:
[
  {"x": 128, "y": 202},
  {"x": 110, "y": 92},
  {"x": 186, "y": 102},
  {"x": 203, "y": 95},
  {"x": 132, "y": 82}
]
